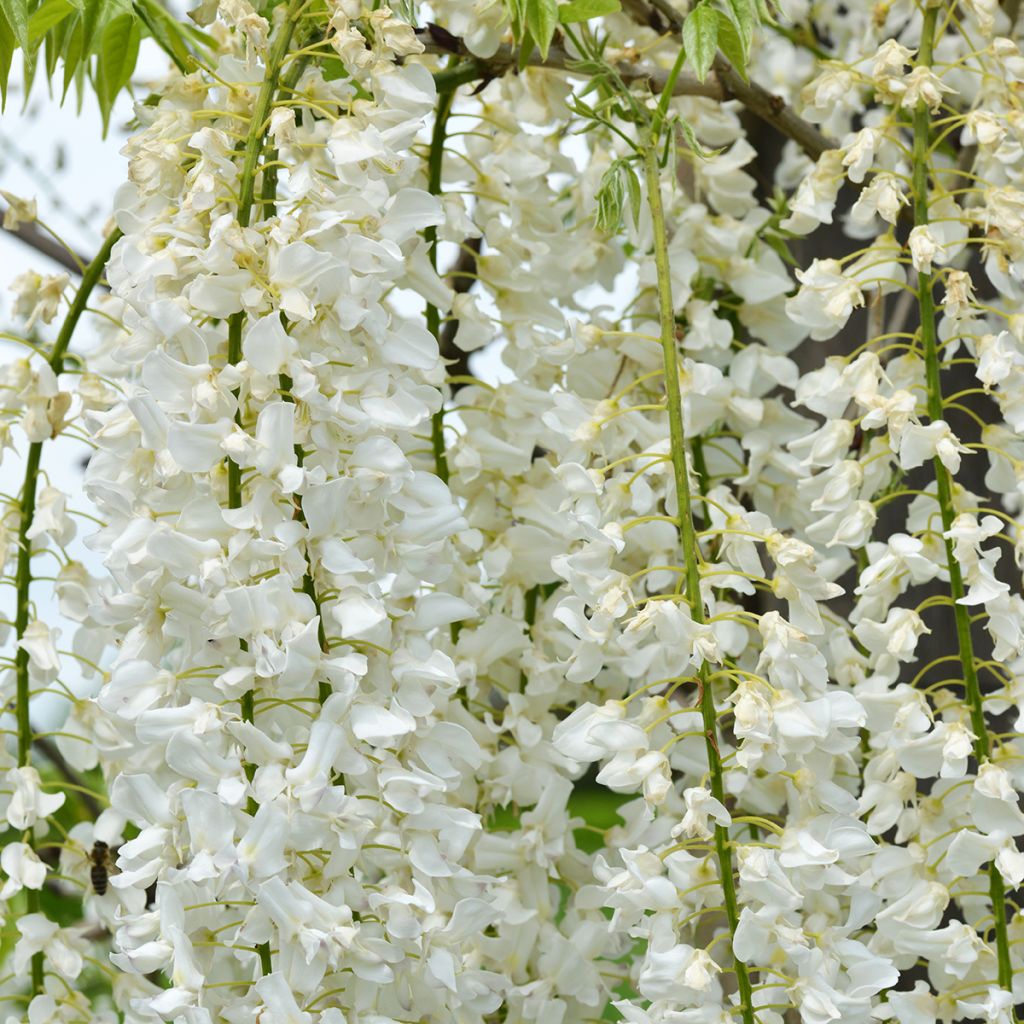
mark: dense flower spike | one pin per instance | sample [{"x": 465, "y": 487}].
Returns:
[{"x": 550, "y": 562}]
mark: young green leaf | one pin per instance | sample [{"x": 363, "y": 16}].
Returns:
[
  {"x": 73, "y": 53},
  {"x": 731, "y": 44},
  {"x": 744, "y": 17},
  {"x": 54, "y": 41},
  {"x": 633, "y": 188},
  {"x": 618, "y": 183},
  {"x": 90, "y": 19},
  {"x": 8, "y": 44},
  {"x": 584, "y": 10},
  {"x": 517, "y": 15},
  {"x": 16, "y": 14},
  {"x": 700, "y": 37},
  {"x": 48, "y": 14},
  {"x": 119, "y": 49},
  {"x": 693, "y": 142},
  {"x": 526, "y": 45},
  {"x": 166, "y": 32},
  {"x": 542, "y": 20},
  {"x": 611, "y": 197}
]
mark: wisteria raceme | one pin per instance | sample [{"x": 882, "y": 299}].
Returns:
[{"x": 552, "y": 544}]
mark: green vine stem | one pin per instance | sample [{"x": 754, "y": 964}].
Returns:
[
  {"x": 944, "y": 486},
  {"x": 255, "y": 142},
  {"x": 435, "y": 165},
  {"x": 23, "y": 577},
  {"x": 268, "y": 199},
  {"x": 688, "y": 543}
]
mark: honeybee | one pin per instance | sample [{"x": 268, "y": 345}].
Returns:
[{"x": 101, "y": 867}]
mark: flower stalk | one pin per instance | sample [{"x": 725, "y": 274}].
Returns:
[
  {"x": 944, "y": 484},
  {"x": 254, "y": 145},
  {"x": 23, "y": 575},
  {"x": 435, "y": 165},
  {"x": 688, "y": 543}
]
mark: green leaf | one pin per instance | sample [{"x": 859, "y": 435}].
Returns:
[
  {"x": 73, "y": 52},
  {"x": 28, "y": 71},
  {"x": 693, "y": 142},
  {"x": 731, "y": 44},
  {"x": 118, "y": 52},
  {"x": 166, "y": 31},
  {"x": 633, "y": 189},
  {"x": 618, "y": 183},
  {"x": 526, "y": 45},
  {"x": 53, "y": 43},
  {"x": 48, "y": 14},
  {"x": 542, "y": 20},
  {"x": 744, "y": 17},
  {"x": 700, "y": 37},
  {"x": 778, "y": 244},
  {"x": 16, "y": 14},
  {"x": 90, "y": 19},
  {"x": 8, "y": 44},
  {"x": 611, "y": 197},
  {"x": 584, "y": 10},
  {"x": 332, "y": 67},
  {"x": 517, "y": 15}
]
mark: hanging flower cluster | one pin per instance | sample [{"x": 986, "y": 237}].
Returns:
[{"x": 551, "y": 565}]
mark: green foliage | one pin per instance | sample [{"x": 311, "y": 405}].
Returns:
[
  {"x": 583, "y": 10},
  {"x": 693, "y": 142},
  {"x": 596, "y": 807},
  {"x": 744, "y": 17},
  {"x": 541, "y": 22},
  {"x": 700, "y": 38},
  {"x": 119, "y": 49},
  {"x": 728, "y": 27},
  {"x": 16, "y": 14},
  {"x": 619, "y": 183},
  {"x": 730, "y": 42},
  {"x": 711, "y": 26},
  {"x": 96, "y": 41}
]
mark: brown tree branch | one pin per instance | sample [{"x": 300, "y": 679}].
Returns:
[
  {"x": 725, "y": 83},
  {"x": 437, "y": 40},
  {"x": 772, "y": 110},
  {"x": 32, "y": 236},
  {"x": 756, "y": 98}
]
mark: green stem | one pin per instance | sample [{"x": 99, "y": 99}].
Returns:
[
  {"x": 688, "y": 543},
  {"x": 268, "y": 200},
  {"x": 435, "y": 164},
  {"x": 944, "y": 488},
  {"x": 23, "y": 574},
  {"x": 254, "y": 145}
]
